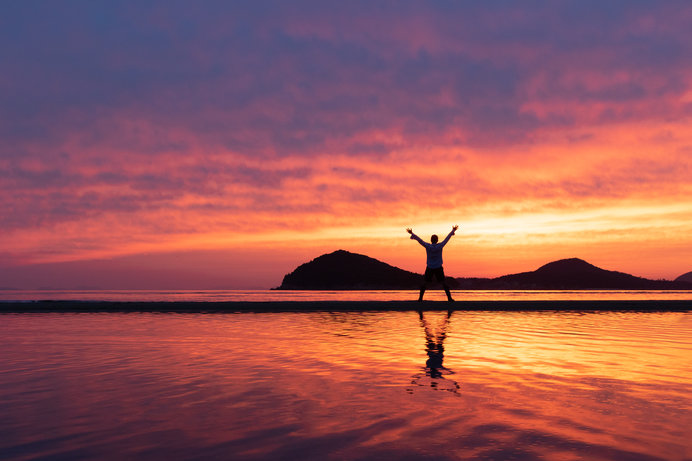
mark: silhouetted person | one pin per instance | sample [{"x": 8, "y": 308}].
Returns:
[{"x": 434, "y": 262}]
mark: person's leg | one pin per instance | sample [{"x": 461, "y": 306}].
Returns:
[
  {"x": 440, "y": 274},
  {"x": 449, "y": 295},
  {"x": 427, "y": 277}
]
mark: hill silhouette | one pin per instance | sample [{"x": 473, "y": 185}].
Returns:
[
  {"x": 685, "y": 278},
  {"x": 343, "y": 270},
  {"x": 577, "y": 274}
]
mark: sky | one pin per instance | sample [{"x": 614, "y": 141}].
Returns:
[{"x": 215, "y": 144}]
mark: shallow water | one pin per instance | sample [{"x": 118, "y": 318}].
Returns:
[
  {"x": 371, "y": 385},
  {"x": 354, "y": 295}
]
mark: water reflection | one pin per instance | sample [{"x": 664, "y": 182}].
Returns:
[
  {"x": 355, "y": 295},
  {"x": 536, "y": 385},
  {"x": 434, "y": 374}
]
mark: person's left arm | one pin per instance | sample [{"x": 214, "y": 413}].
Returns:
[{"x": 449, "y": 236}]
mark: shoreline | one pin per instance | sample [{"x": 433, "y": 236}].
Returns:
[{"x": 342, "y": 306}]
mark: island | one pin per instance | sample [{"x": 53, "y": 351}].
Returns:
[{"x": 343, "y": 270}]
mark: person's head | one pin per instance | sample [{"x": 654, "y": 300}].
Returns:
[{"x": 433, "y": 239}]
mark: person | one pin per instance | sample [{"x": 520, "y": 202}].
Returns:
[{"x": 434, "y": 261}]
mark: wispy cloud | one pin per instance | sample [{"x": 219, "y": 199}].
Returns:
[{"x": 126, "y": 125}]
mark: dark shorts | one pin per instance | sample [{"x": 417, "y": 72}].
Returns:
[{"x": 438, "y": 272}]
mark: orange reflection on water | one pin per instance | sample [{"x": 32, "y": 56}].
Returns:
[
  {"x": 340, "y": 295},
  {"x": 350, "y": 385}
]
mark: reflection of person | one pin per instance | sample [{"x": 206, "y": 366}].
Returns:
[
  {"x": 434, "y": 347},
  {"x": 434, "y": 261}
]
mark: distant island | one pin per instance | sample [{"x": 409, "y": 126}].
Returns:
[
  {"x": 343, "y": 270},
  {"x": 685, "y": 278}
]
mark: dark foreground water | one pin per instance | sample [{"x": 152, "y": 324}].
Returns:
[{"x": 372, "y": 385}]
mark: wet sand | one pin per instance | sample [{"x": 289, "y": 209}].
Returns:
[{"x": 344, "y": 306}]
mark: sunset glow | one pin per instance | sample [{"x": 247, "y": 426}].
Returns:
[{"x": 220, "y": 145}]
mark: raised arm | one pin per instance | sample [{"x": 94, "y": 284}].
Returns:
[
  {"x": 415, "y": 237},
  {"x": 449, "y": 236}
]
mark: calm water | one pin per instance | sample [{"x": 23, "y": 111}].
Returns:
[
  {"x": 366, "y": 295},
  {"x": 373, "y": 385}
]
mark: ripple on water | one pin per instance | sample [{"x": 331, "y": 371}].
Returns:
[{"x": 397, "y": 385}]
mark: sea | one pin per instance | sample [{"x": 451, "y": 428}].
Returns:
[
  {"x": 447, "y": 384},
  {"x": 350, "y": 295}
]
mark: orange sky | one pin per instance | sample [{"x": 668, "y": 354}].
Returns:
[{"x": 214, "y": 148}]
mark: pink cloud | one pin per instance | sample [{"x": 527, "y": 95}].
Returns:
[{"x": 164, "y": 123}]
